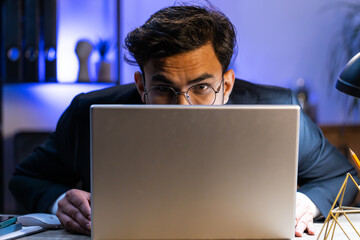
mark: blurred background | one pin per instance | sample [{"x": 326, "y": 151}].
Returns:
[{"x": 51, "y": 50}]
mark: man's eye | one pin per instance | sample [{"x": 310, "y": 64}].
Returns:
[
  {"x": 161, "y": 90},
  {"x": 201, "y": 88}
]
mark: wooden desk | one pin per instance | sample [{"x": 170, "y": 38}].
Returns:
[{"x": 62, "y": 234}]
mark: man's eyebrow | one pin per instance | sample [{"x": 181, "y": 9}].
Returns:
[
  {"x": 161, "y": 78},
  {"x": 201, "y": 78}
]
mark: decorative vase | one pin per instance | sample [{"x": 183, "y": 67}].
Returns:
[
  {"x": 83, "y": 50},
  {"x": 104, "y": 69}
]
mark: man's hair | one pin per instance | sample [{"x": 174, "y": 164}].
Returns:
[{"x": 179, "y": 29}]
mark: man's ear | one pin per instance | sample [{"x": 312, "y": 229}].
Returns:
[
  {"x": 140, "y": 85},
  {"x": 229, "y": 79}
]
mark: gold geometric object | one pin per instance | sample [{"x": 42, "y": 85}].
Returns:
[{"x": 332, "y": 218}]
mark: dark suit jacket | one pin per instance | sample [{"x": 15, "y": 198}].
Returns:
[{"x": 63, "y": 162}]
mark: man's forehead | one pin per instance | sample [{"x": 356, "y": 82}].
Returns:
[
  {"x": 196, "y": 62},
  {"x": 196, "y": 78},
  {"x": 174, "y": 65}
]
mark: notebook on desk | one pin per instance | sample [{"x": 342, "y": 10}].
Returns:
[{"x": 199, "y": 172}]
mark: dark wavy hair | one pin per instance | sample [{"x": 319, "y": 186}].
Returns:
[{"x": 179, "y": 29}]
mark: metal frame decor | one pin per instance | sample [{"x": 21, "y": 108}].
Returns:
[{"x": 335, "y": 212}]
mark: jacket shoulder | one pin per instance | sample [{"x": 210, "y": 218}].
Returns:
[
  {"x": 250, "y": 93},
  {"x": 120, "y": 94}
]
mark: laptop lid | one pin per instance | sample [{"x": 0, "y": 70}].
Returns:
[{"x": 199, "y": 172}]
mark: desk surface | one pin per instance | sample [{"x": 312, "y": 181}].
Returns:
[{"x": 339, "y": 235}]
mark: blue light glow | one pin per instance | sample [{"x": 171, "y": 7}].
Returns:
[
  {"x": 13, "y": 54},
  {"x": 39, "y": 105},
  {"x": 50, "y": 54}
]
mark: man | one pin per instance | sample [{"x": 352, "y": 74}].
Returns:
[{"x": 183, "y": 53}]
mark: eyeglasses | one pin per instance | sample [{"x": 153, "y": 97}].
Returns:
[{"x": 199, "y": 94}]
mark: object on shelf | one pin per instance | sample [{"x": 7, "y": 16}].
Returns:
[
  {"x": 83, "y": 50},
  {"x": 103, "y": 66}
]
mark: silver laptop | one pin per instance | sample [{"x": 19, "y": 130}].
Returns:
[{"x": 199, "y": 172}]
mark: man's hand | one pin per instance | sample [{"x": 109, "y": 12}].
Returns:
[
  {"x": 74, "y": 211},
  {"x": 305, "y": 212}
]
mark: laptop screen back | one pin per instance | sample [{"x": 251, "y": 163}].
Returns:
[{"x": 199, "y": 172}]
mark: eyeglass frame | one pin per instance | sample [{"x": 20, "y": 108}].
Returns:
[{"x": 186, "y": 95}]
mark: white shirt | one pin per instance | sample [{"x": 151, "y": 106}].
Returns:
[{"x": 54, "y": 207}]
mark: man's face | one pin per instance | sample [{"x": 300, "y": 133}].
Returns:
[{"x": 198, "y": 69}]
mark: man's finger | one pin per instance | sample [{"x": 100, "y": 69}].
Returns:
[
  {"x": 300, "y": 228},
  {"x": 73, "y": 212},
  {"x": 84, "y": 207},
  {"x": 306, "y": 222},
  {"x": 66, "y": 206},
  {"x": 71, "y": 225},
  {"x": 81, "y": 200},
  {"x": 77, "y": 216},
  {"x": 310, "y": 228},
  {"x": 301, "y": 210}
]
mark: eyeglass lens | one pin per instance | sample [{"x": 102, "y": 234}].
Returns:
[{"x": 201, "y": 94}]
